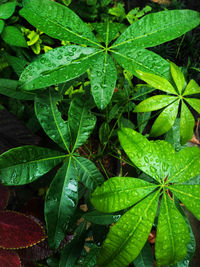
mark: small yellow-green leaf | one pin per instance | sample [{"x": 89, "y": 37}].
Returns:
[
  {"x": 119, "y": 193},
  {"x": 186, "y": 124},
  {"x": 128, "y": 236},
  {"x": 154, "y": 103},
  {"x": 165, "y": 120},
  {"x": 192, "y": 88},
  {"x": 189, "y": 195},
  {"x": 156, "y": 82},
  {"x": 172, "y": 234},
  {"x": 178, "y": 77}
]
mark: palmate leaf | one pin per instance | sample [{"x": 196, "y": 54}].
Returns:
[
  {"x": 178, "y": 77},
  {"x": 195, "y": 103},
  {"x": 19, "y": 231},
  {"x": 172, "y": 234},
  {"x": 58, "y": 65},
  {"x": 145, "y": 154},
  {"x": 60, "y": 203},
  {"x": 50, "y": 118},
  {"x": 192, "y": 88},
  {"x": 23, "y": 165},
  {"x": 9, "y": 258},
  {"x": 189, "y": 195},
  {"x": 157, "y": 28},
  {"x": 81, "y": 121},
  {"x": 101, "y": 218},
  {"x": 136, "y": 58},
  {"x": 119, "y": 193},
  {"x": 87, "y": 172},
  {"x": 103, "y": 80},
  {"x": 127, "y": 237},
  {"x": 57, "y": 21}
]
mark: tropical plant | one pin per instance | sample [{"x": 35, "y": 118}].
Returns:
[
  {"x": 176, "y": 95},
  {"x": 170, "y": 174},
  {"x": 129, "y": 50}
]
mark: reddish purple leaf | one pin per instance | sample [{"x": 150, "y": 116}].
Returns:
[
  {"x": 9, "y": 258},
  {"x": 4, "y": 193},
  {"x": 19, "y": 231}
]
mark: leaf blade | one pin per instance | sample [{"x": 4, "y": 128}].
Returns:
[{"x": 191, "y": 88}]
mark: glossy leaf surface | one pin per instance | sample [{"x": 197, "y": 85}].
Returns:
[
  {"x": 13, "y": 36},
  {"x": 172, "y": 234},
  {"x": 9, "y": 258},
  {"x": 88, "y": 173},
  {"x": 154, "y": 103},
  {"x": 192, "y": 88},
  {"x": 58, "y": 65},
  {"x": 127, "y": 237},
  {"x": 143, "y": 59},
  {"x": 145, "y": 154},
  {"x": 81, "y": 121},
  {"x": 165, "y": 120},
  {"x": 119, "y": 193},
  {"x": 186, "y": 165},
  {"x": 50, "y": 118},
  {"x": 101, "y": 218},
  {"x": 23, "y": 165},
  {"x": 189, "y": 195},
  {"x": 178, "y": 77},
  {"x": 195, "y": 103},
  {"x": 103, "y": 80},
  {"x": 57, "y": 21},
  {"x": 157, "y": 28},
  {"x": 18, "y": 231},
  {"x": 186, "y": 124},
  {"x": 9, "y": 88},
  {"x": 60, "y": 203}
]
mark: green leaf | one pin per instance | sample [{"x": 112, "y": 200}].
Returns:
[
  {"x": 142, "y": 120},
  {"x": 7, "y": 9},
  {"x": 178, "y": 77},
  {"x": 145, "y": 154},
  {"x": 13, "y": 36},
  {"x": 127, "y": 237},
  {"x": 156, "y": 82},
  {"x": 103, "y": 80},
  {"x": 192, "y": 88},
  {"x": 157, "y": 28},
  {"x": 186, "y": 124},
  {"x": 165, "y": 120},
  {"x": 185, "y": 165},
  {"x": 104, "y": 132},
  {"x": 57, "y": 21},
  {"x": 50, "y": 118},
  {"x": 189, "y": 195},
  {"x": 145, "y": 258},
  {"x": 154, "y": 103},
  {"x": 9, "y": 88},
  {"x": 88, "y": 173},
  {"x": 108, "y": 31},
  {"x": 23, "y": 165},
  {"x": 173, "y": 135},
  {"x": 1, "y": 25},
  {"x": 101, "y": 218},
  {"x": 172, "y": 234},
  {"x": 91, "y": 257},
  {"x": 58, "y": 65},
  {"x": 17, "y": 63},
  {"x": 60, "y": 203},
  {"x": 72, "y": 251},
  {"x": 81, "y": 121},
  {"x": 119, "y": 193},
  {"x": 195, "y": 103},
  {"x": 142, "y": 59}
]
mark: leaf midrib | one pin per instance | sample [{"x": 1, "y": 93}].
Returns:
[
  {"x": 184, "y": 193},
  {"x": 124, "y": 243}
]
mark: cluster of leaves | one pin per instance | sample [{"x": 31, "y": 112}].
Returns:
[{"x": 78, "y": 92}]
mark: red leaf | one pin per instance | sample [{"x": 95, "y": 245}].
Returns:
[
  {"x": 4, "y": 193},
  {"x": 9, "y": 259},
  {"x": 19, "y": 231}
]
